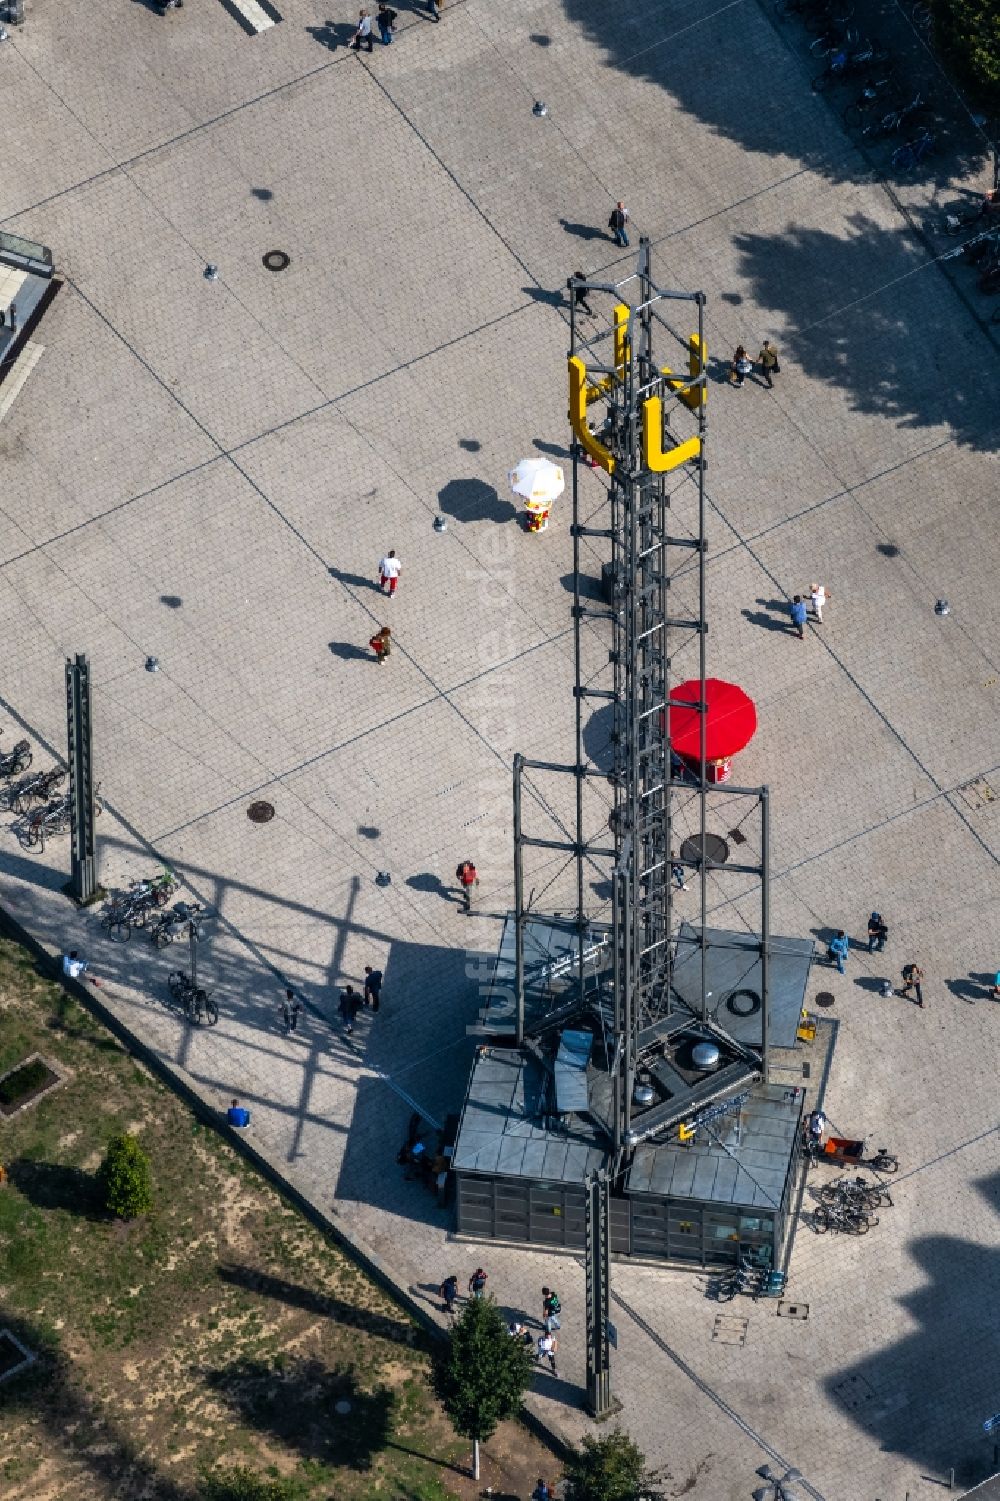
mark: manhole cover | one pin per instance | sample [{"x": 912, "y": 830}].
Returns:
[
  {"x": 276, "y": 260},
  {"x": 13, "y": 1355},
  {"x": 854, "y": 1392},
  {"x": 729, "y": 1329},
  {"x": 824, "y": 998},
  {"x": 260, "y": 812},
  {"x": 788, "y": 1310},
  {"x": 977, "y": 794},
  {"x": 716, "y": 849}
]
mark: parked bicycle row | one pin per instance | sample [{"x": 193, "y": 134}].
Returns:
[
  {"x": 883, "y": 106},
  {"x": 53, "y": 818},
  {"x": 849, "y": 1206},
  {"x": 747, "y": 1277},
  {"x": 144, "y": 905},
  {"x": 980, "y": 251}
]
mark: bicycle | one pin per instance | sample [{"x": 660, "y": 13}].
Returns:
[
  {"x": 183, "y": 917},
  {"x": 197, "y": 1003},
  {"x": 853, "y": 1221},
  {"x": 14, "y": 762},
  {"x": 870, "y": 97},
  {"x": 889, "y": 123},
  {"x": 923, "y": 18},
  {"x": 905, "y": 158}
]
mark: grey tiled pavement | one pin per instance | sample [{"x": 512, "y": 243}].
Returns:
[{"x": 209, "y": 473}]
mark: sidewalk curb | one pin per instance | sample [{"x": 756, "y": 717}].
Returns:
[{"x": 329, "y": 1223}]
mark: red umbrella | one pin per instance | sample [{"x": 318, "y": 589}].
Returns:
[{"x": 730, "y": 721}]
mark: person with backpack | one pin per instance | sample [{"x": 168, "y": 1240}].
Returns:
[
  {"x": 617, "y": 223},
  {"x": 386, "y": 19},
  {"x": 381, "y": 644},
  {"x": 467, "y": 877},
  {"x": 768, "y": 362},
  {"x": 877, "y": 933},
  {"x": 551, "y": 1309},
  {"x": 477, "y": 1283}
]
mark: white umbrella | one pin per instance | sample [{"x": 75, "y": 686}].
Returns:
[{"x": 538, "y": 480}]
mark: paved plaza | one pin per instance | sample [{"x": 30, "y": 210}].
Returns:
[{"x": 208, "y": 472}]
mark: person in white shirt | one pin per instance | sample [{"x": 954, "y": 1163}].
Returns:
[
  {"x": 74, "y": 967},
  {"x": 818, "y": 595},
  {"x": 388, "y": 572},
  {"x": 364, "y": 32}
]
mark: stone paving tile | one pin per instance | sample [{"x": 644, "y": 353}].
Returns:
[{"x": 271, "y": 555}]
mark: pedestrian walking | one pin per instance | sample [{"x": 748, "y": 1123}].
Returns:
[
  {"x": 740, "y": 367},
  {"x": 373, "y": 987},
  {"x": 449, "y": 1292},
  {"x": 839, "y": 947},
  {"x": 542, "y": 1491},
  {"x": 73, "y": 966},
  {"x": 350, "y": 1005},
  {"x": 435, "y": 9},
  {"x": 389, "y": 570},
  {"x": 817, "y": 598},
  {"x": 677, "y": 871},
  {"x": 767, "y": 359},
  {"x": 798, "y": 610},
  {"x": 547, "y": 1347},
  {"x": 386, "y": 19},
  {"x": 381, "y": 644},
  {"x": 467, "y": 877},
  {"x": 912, "y": 976},
  {"x": 364, "y": 32},
  {"x": 580, "y": 295},
  {"x": 477, "y": 1282},
  {"x": 617, "y": 222},
  {"x": 877, "y": 933},
  {"x": 995, "y": 992},
  {"x": 551, "y": 1309},
  {"x": 290, "y": 1008}
]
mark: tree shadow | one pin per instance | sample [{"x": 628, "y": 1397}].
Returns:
[
  {"x": 348, "y": 651},
  {"x": 324, "y": 1305},
  {"x": 53, "y": 1185},
  {"x": 884, "y": 1392},
  {"x": 474, "y": 500},
  {"x": 846, "y": 333},
  {"x": 295, "y": 1401}
]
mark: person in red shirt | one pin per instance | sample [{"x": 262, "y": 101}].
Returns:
[{"x": 467, "y": 878}]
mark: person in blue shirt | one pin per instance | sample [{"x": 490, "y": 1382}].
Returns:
[
  {"x": 238, "y": 1115},
  {"x": 799, "y": 616},
  {"x": 838, "y": 950}
]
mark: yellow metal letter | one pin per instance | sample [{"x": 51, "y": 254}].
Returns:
[
  {"x": 653, "y": 456},
  {"x": 692, "y": 396},
  {"x": 578, "y": 415}
]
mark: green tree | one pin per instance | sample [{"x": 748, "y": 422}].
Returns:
[
  {"x": 240, "y": 1483},
  {"x": 968, "y": 33},
  {"x": 124, "y": 1178},
  {"x": 611, "y": 1468},
  {"x": 481, "y": 1374}
]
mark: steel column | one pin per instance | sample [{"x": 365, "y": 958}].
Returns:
[
  {"x": 83, "y": 868},
  {"x": 598, "y": 1295}
]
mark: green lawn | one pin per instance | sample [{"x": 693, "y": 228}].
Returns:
[{"x": 221, "y": 1328}]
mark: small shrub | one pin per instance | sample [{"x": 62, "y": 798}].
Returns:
[
  {"x": 240, "y": 1483},
  {"x": 611, "y": 1468},
  {"x": 124, "y": 1178},
  {"x": 968, "y": 33}
]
